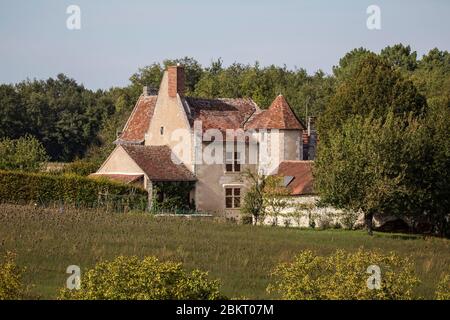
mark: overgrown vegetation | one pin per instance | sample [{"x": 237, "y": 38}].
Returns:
[
  {"x": 24, "y": 154},
  {"x": 11, "y": 282},
  {"x": 343, "y": 276},
  {"x": 240, "y": 256},
  {"x": 384, "y": 148},
  {"x": 129, "y": 278}
]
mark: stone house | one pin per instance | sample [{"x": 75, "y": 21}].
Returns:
[{"x": 170, "y": 137}]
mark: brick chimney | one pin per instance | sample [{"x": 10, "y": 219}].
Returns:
[{"x": 176, "y": 80}]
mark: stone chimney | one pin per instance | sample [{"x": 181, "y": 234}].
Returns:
[{"x": 176, "y": 80}]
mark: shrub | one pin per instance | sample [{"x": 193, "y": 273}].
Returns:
[
  {"x": 80, "y": 167},
  {"x": 19, "y": 187},
  {"x": 11, "y": 286},
  {"x": 128, "y": 278},
  {"x": 348, "y": 219},
  {"x": 343, "y": 276},
  {"x": 443, "y": 288},
  {"x": 25, "y": 153}
]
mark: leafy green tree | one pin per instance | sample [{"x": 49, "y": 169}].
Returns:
[
  {"x": 13, "y": 122},
  {"x": 253, "y": 203},
  {"x": 370, "y": 165},
  {"x": 26, "y": 153},
  {"x": 275, "y": 197},
  {"x": 400, "y": 56},
  {"x": 371, "y": 87}
]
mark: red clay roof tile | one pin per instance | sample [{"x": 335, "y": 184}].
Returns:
[
  {"x": 156, "y": 162},
  {"x": 278, "y": 116},
  {"x": 221, "y": 113},
  {"x": 302, "y": 183},
  {"x": 139, "y": 120}
]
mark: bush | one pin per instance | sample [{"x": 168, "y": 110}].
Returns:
[
  {"x": 443, "y": 288},
  {"x": 19, "y": 187},
  {"x": 80, "y": 167},
  {"x": 11, "y": 286},
  {"x": 25, "y": 153},
  {"x": 128, "y": 278},
  {"x": 343, "y": 276}
]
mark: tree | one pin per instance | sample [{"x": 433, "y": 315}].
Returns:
[
  {"x": 12, "y": 113},
  {"x": 275, "y": 197},
  {"x": 253, "y": 204},
  {"x": 400, "y": 56},
  {"x": 371, "y": 87},
  {"x": 25, "y": 153},
  {"x": 370, "y": 165}
]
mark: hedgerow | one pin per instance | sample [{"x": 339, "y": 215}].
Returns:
[{"x": 70, "y": 189}]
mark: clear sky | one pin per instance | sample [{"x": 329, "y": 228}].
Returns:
[{"x": 118, "y": 37}]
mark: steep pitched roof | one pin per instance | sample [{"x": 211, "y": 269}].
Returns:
[
  {"x": 139, "y": 120},
  {"x": 278, "y": 116},
  {"x": 156, "y": 162},
  {"x": 301, "y": 173},
  {"x": 221, "y": 113}
]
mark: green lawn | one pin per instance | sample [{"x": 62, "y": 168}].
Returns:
[{"x": 241, "y": 256}]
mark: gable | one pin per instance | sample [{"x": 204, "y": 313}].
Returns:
[{"x": 139, "y": 120}]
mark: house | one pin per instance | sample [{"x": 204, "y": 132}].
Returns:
[{"x": 207, "y": 143}]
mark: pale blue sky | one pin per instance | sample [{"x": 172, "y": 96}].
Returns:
[{"x": 118, "y": 37}]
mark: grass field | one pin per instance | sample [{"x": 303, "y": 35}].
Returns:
[{"x": 241, "y": 256}]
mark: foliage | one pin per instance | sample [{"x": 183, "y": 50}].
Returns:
[
  {"x": 19, "y": 187},
  {"x": 172, "y": 196},
  {"x": 60, "y": 113},
  {"x": 359, "y": 168},
  {"x": 242, "y": 256},
  {"x": 11, "y": 282},
  {"x": 129, "y": 278},
  {"x": 342, "y": 276},
  {"x": 275, "y": 197},
  {"x": 443, "y": 288},
  {"x": 25, "y": 153},
  {"x": 400, "y": 56},
  {"x": 253, "y": 204},
  {"x": 371, "y": 88},
  {"x": 80, "y": 167}
]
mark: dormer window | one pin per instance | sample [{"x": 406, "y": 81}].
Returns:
[{"x": 161, "y": 130}]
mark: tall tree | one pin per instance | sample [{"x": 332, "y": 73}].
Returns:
[{"x": 372, "y": 86}]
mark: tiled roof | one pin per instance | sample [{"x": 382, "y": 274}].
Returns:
[
  {"x": 124, "y": 178},
  {"x": 156, "y": 162},
  {"x": 278, "y": 116},
  {"x": 139, "y": 120},
  {"x": 221, "y": 113},
  {"x": 301, "y": 171}
]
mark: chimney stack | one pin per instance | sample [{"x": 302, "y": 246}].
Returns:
[
  {"x": 146, "y": 91},
  {"x": 176, "y": 80}
]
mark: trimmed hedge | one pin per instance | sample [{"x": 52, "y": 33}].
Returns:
[{"x": 19, "y": 187}]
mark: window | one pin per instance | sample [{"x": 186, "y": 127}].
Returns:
[
  {"x": 232, "y": 198},
  {"x": 161, "y": 130},
  {"x": 232, "y": 162}
]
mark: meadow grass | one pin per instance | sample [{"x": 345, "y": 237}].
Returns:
[{"x": 241, "y": 256}]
